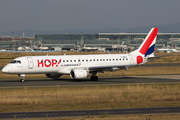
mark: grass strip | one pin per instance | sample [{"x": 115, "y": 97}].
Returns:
[{"x": 98, "y": 97}]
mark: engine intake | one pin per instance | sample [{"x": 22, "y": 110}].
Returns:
[{"x": 79, "y": 74}]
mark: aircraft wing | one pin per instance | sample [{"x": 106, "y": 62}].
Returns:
[{"x": 106, "y": 68}]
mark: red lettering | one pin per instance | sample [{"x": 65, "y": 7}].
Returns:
[
  {"x": 53, "y": 62},
  {"x": 40, "y": 63},
  {"x": 48, "y": 63},
  {"x": 45, "y": 63},
  {"x": 58, "y": 62}
]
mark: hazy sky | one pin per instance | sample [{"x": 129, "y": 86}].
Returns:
[{"x": 86, "y": 14}]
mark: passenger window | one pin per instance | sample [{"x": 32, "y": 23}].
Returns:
[
  {"x": 93, "y": 59},
  {"x": 103, "y": 59},
  {"x": 106, "y": 59},
  {"x": 83, "y": 60},
  {"x": 109, "y": 59},
  {"x": 74, "y": 60},
  {"x": 90, "y": 60},
  {"x": 97, "y": 60},
  {"x": 87, "y": 60},
  {"x": 67, "y": 61},
  {"x": 100, "y": 59},
  {"x": 70, "y": 60},
  {"x": 63, "y": 60}
]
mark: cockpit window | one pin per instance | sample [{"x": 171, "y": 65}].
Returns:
[{"x": 16, "y": 61}]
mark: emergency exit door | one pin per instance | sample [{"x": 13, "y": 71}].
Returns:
[{"x": 30, "y": 62}]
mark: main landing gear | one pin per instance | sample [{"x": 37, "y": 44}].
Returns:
[
  {"x": 22, "y": 77},
  {"x": 94, "y": 77}
]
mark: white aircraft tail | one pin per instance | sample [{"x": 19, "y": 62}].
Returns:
[{"x": 146, "y": 48}]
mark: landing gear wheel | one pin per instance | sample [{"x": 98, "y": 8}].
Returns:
[
  {"x": 22, "y": 77},
  {"x": 22, "y": 80},
  {"x": 94, "y": 78}
]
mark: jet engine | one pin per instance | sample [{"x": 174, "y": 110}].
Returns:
[
  {"x": 53, "y": 75},
  {"x": 79, "y": 74}
]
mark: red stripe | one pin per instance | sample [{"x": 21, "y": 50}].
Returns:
[{"x": 148, "y": 42}]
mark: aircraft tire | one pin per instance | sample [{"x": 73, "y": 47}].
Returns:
[
  {"x": 94, "y": 78},
  {"x": 22, "y": 80}
]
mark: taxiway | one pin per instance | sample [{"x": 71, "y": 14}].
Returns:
[{"x": 65, "y": 82}]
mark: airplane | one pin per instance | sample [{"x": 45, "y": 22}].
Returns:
[
  {"x": 167, "y": 50},
  {"x": 81, "y": 66},
  {"x": 122, "y": 46}
]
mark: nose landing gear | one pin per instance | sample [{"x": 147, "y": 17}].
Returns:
[{"x": 22, "y": 77}]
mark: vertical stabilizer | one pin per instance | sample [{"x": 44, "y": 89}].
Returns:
[{"x": 147, "y": 47}]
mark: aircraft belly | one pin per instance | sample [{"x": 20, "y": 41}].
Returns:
[{"x": 65, "y": 70}]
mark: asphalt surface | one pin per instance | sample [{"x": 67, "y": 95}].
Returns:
[
  {"x": 46, "y": 114},
  {"x": 47, "y": 82}
]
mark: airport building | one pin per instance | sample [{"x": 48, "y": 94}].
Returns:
[
  {"x": 106, "y": 40},
  {"x": 101, "y": 40},
  {"x": 11, "y": 43}
]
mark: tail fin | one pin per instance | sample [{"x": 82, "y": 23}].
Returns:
[{"x": 147, "y": 47}]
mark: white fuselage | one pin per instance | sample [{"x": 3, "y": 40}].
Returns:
[{"x": 65, "y": 63}]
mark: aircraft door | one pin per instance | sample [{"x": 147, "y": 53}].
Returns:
[
  {"x": 131, "y": 59},
  {"x": 30, "y": 62}
]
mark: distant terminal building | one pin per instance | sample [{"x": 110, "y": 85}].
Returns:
[
  {"x": 8, "y": 42},
  {"x": 104, "y": 39}
]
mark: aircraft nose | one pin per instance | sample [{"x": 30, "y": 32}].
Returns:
[{"x": 6, "y": 69}]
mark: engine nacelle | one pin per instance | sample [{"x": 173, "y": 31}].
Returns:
[
  {"x": 79, "y": 74},
  {"x": 53, "y": 75}
]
